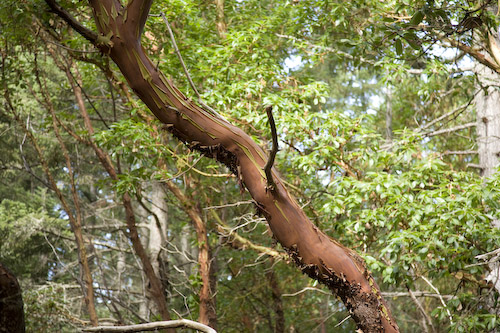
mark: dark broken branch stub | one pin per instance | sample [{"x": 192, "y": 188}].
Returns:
[{"x": 271, "y": 186}]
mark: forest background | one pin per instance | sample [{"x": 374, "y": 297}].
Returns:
[{"x": 388, "y": 122}]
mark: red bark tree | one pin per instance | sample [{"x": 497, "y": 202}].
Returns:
[{"x": 322, "y": 258}]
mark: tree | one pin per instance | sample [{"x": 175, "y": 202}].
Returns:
[
  {"x": 412, "y": 206},
  {"x": 341, "y": 269}
]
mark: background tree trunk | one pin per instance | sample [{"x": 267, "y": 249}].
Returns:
[
  {"x": 487, "y": 103},
  {"x": 11, "y": 303}
]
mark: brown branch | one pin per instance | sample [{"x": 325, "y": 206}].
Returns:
[
  {"x": 137, "y": 14},
  {"x": 87, "y": 288},
  {"x": 156, "y": 287},
  {"x": 481, "y": 58},
  {"x": 268, "y": 168},
  {"x": 90, "y": 35},
  {"x": 207, "y": 313},
  {"x": 277, "y": 300}
]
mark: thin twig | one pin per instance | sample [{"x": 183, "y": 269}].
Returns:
[
  {"x": 460, "y": 152},
  {"x": 62, "y": 13},
  {"x": 305, "y": 289},
  {"x": 87, "y": 97},
  {"x": 455, "y": 112},
  {"x": 449, "y": 130},
  {"x": 267, "y": 169},
  {"x": 342, "y": 321},
  {"x": 440, "y": 297},
  {"x": 230, "y": 205},
  {"x": 191, "y": 83},
  {"x": 426, "y": 320}
]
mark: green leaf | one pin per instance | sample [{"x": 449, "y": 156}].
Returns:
[
  {"x": 417, "y": 18},
  {"x": 399, "y": 47}
]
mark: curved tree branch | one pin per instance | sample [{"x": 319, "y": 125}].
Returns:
[{"x": 90, "y": 35}]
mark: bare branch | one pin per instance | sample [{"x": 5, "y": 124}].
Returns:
[
  {"x": 452, "y": 129},
  {"x": 242, "y": 243},
  {"x": 426, "y": 320},
  {"x": 231, "y": 204},
  {"x": 153, "y": 327},
  {"x": 416, "y": 294},
  {"x": 440, "y": 297},
  {"x": 305, "y": 289},
  {"x": 444, "y": 116},
  {"x": 460, "y": 152},
  {"x": 476, "y": 166},
  {"x": 481, "y": 58},
  {"x": 267, "y": 169}
]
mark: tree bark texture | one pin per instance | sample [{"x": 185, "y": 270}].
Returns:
[
  {"x": 317, "y": 255},
  {"x": 487, "y": 103},
  {"x": 11, "y": 303}
]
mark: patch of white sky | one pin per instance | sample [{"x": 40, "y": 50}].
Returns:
[{"x": 295, "y": 62}]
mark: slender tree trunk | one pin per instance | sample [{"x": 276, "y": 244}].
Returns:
[
  {"x": 208, "y": 314},
  {"x": 187, "y": 251},
  {"x": 279, "y": 326},
  {"x": 158, "y": 225},
  {"x": 487, "y": 103},
  {"x": 317, "y": 255},
  {"x": 220, "y": 20}
]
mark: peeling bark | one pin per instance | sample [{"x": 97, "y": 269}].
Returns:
[{"x": 317, "y": 255}]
